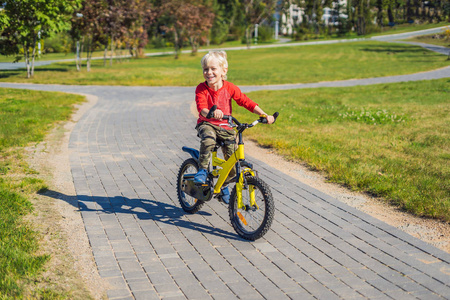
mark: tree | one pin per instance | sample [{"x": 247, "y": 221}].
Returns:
[
  {"x": 188, "y": 21},
  {"x": 362, "y": 15},
  {"x": 23, "y": 23},
  {"x": 226, "y": 13},
  {"x": 255, "y": 11},
  {"x": 89, "y": 27},
  {"x": 137, "y": 21}
]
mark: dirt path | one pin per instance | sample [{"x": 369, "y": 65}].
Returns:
[{"x": 72, "y": 267}]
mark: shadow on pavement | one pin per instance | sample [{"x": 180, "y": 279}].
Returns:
[{"x": 142, "y": 209}]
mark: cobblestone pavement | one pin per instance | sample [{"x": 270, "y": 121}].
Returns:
[{"x": 125, "y": 154}]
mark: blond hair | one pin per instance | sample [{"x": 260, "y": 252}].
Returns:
[{"x": 220, "y": 56}]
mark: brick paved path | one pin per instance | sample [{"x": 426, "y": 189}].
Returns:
[{"x": 125, "y": 157}]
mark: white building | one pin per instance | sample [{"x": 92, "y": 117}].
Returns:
[
  {"x": 331, "y": 15},
  {"x": 292, "y": 17},
  {"x": 295, "y": 15}
]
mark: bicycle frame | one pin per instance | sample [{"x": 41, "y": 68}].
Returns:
[
  {"x": 251, "y": 208},
  {"x": 226, "y": 166}
]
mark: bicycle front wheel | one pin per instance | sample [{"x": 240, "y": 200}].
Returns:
[{"x": 252, "y": 222}]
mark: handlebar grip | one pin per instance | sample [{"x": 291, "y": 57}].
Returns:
[
  {"x": 264, "y": 120},
  {"x": 211, "y": 112},
  {"x": 275, "y": 116}
]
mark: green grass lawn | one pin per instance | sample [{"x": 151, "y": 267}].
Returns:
[
  {"x": 312, "y": 63},
  {"x": 25, "y": 117},
  {"x": 403, "y": 28},
  {"x": 389, "y": 140},
  {"x": 429, "y": 39}
]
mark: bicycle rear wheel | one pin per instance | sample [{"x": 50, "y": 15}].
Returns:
[
  {"x": 251, "y": 223},
  {"x": 188, "y": 203}
]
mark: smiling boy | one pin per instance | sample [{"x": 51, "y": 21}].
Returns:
[{"x": 217, "y": 91}]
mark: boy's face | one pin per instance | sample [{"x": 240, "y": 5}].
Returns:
[{"x": 213, "y": 73}]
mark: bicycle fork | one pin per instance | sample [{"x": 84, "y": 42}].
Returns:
[{"x": 242, "y": 185}]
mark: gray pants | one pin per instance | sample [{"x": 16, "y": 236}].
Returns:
[{"x": 209, "y": 134}]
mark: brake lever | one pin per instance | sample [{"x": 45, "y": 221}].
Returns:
[{"x": 229, "y": 118}]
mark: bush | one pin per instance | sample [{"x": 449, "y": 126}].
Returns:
[
  {"x": 236, "y": 33},
  {"x": 446, "y": 33},
  {"x": 59, "y": 43},
  {"x": 303, "y": 33},
  {"x": 219, "y": 32},
  {"x": 265, "y": 33},
  {"x": 158, "y": 42}
]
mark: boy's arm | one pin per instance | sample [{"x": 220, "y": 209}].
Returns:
[
  {"x": 201, "y": 99},
  {"x": 259, "y": 111}
]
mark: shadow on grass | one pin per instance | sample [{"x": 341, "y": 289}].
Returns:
[
  {"x": 54, "y": 68},
  {"x": 394, "y": 49},
  {"x": 141, "y": 209},
  {"x": 7, "y": 74},
  {"x": 23, "y": 71}
]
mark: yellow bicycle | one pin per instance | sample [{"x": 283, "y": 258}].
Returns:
[{"x": 251, "y": 208}]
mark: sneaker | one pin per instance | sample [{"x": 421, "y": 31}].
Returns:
[
  {"x": 200, "y": 177},
  {"x": 225, "y": 195}
]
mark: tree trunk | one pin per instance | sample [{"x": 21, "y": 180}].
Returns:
[
  {"x": 176, "y": 44},
  {"x": 26, "y": 54},
  {"x": 247, "y": 36},
  {"x": 408, "y": 11},
  {"x": 361, "y": 26},
  {"x": 33, "y": 56},
  {"x": 81, "y": 51},
  {"x": 104, "y": 54},
  {"x": 77, "y": 56},
  {"x": 112, "y": 50},
  {"x": 88, "y": 56},
  {"x": 193, "y": 42},
  {"x": 390, "y": 16},
  {"x": 380, "y": 13}
]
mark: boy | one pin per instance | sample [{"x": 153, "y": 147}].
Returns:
[{"x": 217, "y": 91}]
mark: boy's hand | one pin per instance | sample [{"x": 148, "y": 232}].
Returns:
[
  {"x": 218, "y": 114},
  {"x": 270, "y": 119}
]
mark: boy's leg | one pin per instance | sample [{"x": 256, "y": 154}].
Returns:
[
  {"x": 229, "y": 136},
  {"x": 207, "y": 136},
  {"x": 228, "y": 149}
]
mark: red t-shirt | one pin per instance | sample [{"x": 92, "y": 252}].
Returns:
[{"x": 205, "y": 97}]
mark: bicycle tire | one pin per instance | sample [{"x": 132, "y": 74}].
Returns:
[
  {"x": 189, "y": 204},
  {"x": 251, "y": 223}
]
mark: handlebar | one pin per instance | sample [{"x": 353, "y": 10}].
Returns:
[
  {"x": 233, "y": 119},
  {"x": 211, "y": 112}
]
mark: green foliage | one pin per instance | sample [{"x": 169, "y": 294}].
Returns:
[
  {"x": 23, "y": 23},
  {"x": 20, "y": 22},
  {"x": 219, "y": 31},
  {"x": 390, "y": 140},
  {"x": 58, "y": 43},
  {"x": 226, "y": 13},
  {"x": 265, "y": 34}
]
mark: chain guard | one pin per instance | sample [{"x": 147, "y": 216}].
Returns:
[{"x": 203, "y": 192}]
